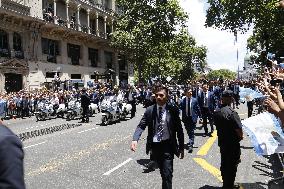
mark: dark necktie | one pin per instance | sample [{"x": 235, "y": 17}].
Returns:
[
  {"x": 189, "y": 107},
  {"x": 160, "y": 126},
  {"x": 205, "y": 100}
]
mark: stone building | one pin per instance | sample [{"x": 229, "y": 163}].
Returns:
[{"x": 69, "y": 38}]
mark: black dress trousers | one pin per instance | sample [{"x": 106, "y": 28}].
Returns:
[{"x": 163, "y": 155}]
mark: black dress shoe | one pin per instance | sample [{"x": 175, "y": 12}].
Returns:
[
  {"x": 190, "y": 149},
  {"x": 151, "y": 165}
]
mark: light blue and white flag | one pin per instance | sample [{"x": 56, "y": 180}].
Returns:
[
  {"x": 265, "y": 132},
  {"x": 248, "y": 94}
]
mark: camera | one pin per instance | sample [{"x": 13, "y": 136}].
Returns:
[{"x": 274, "y": 82}]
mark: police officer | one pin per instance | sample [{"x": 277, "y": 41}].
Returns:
[
  {"x": 230, "y": 134},
  {"x": 85, "y": 102}
]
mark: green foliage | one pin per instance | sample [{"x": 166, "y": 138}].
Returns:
[
  {"x": 222, "y": 73},
  {"x": 238, "y": 15},
  {"x": 147, "y": 33}
]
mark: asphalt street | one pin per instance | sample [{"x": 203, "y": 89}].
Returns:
[{"x": 95, "y": 156}]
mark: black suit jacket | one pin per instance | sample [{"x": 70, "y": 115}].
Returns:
[
  {"x": 173, "y": 122},
  {"x": 11, "y": 160},
  {"x": 85, "y": 100}
]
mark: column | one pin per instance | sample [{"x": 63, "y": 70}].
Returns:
[
  {"x": 111, "y": 26},
  {"x": 67, "y": 14},
  {"x": 54, "y": 12},
  {"x": 64, "y": 55},
  {"x": 88, "y": 21},
  {"x": 97, "y": 24},
  {"x": 105, "y": 27},
  {"x": 78, "y": 17},
  {"x": 11, "y": 46},
  {"x": 2, "y": 82},
  {"x": 85, "y": 56},
  {"x": 116, "y": 66},
  {"x": 38, "y": 46}
]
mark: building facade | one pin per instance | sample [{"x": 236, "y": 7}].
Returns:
[
  {"x": 249, "y": 70},
  {"x": 68, "y": 38}
]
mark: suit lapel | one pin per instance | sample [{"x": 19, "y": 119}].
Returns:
[
  {"x": 168, "y": 118},
  {"x": 154, "y": 115}
]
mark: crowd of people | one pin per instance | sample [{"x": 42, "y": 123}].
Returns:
[{"x": 169, "y": 108}]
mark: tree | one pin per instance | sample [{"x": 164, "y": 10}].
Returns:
[
  {"x": 144, "y": 26},
  {"x": 222, "y": 73},
  {"x": 239, "y": 15}
]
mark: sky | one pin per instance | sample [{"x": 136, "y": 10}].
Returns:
[{"x": 222, "y": 53}]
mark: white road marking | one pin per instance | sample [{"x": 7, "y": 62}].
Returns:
[
  {"x": 87, "y": 130},
  {"x": 117, "y": 167},
  {"x": 34, "y": 145}
]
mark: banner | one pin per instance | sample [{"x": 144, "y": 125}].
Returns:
[{"x": 265, "y": 132}]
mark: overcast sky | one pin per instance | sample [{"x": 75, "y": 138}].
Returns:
[{"x": 222, "y": 52}]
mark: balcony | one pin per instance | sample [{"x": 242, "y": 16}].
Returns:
[
  {"x": 17, "y": 6},
  {"x": 19, "y": 54},
  {"x": 100, "y": 6},
  {"x": 51, "y": 58},
  {"x": 5, "y": 52}
]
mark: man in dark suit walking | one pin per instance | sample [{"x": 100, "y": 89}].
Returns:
[
  {"x": 165, "y": 135},
  {"x": 207, "y": 104},
  {"x": 131, "y": 99},
  {"x": 11, "y": 160},
  {"x": 85, "y": 102},
  {"x": 190, "y": 112}
]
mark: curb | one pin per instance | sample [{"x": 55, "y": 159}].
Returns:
[{"x": 46, "y": 131}]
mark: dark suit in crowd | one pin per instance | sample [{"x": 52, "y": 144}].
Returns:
[
  {"x": 172, "y": 139},
  {"x": 131, "y": 99},
  {"x": 11, "y": 160},
  {"x": 207, "y": 105},
  {"x": 190, "y": 112},
  {"x": 229, "y": 131},
  {"x": 85, "y": 102}
]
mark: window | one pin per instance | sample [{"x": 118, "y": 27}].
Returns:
[
  {"x": 17, "y": 45},
  {"x": 74, "y": 53},
  {"x": 94, "y": 57},
  {"x": 3, "y": 40},
  {"x": 51, "y": 48},
  {"x": 50, "y": 74},
  {"x": 76, "y": 76},
  {"x": 4, "y": 48},
  {"x": 108, "y": 59},
  {"x": 17, "y": 42}
]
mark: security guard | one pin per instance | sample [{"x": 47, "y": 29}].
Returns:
[
  {"x": 85, "y": 102},
  {"x": 229, "y": 130}
]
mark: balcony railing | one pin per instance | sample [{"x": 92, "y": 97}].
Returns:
[
  {"x": 15, "y": 6},
  {"x": 51, "y": 58},
  {"x": 19, "y": 54},
  {"x": 72, "y": 25},
  {"x": 5, "y": 52}
]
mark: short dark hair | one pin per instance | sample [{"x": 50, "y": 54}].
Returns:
[
  {"x": 188, "y": 89},
  {"x": 161, "y": 88}
]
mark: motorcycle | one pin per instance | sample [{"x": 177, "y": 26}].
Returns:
[
  {"x": 92, "y": 108},
  {"x": 110, "y": 111},
  {"x": 61, "y": 110},
  {"x": 125, "y": 110},
  {"x": 45, "y": 110},
  {"x": 74, "y": 110}
]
